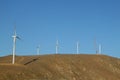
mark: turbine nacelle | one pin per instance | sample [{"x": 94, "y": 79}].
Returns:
[{"x": 16, "y": 37}]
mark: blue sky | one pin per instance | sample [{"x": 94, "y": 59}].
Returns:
[{"x": 42, "y": 22}]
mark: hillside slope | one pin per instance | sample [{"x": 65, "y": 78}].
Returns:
[{"x": 60, "y": 67}]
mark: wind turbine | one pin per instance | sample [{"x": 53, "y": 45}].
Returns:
[
  {"x": 100, "y": 49},
  {"x": 57, "y": 46},
  {"x": 77, "y": 47},
  {"x": 38, "y": 50},
  {"x": 14, "y": 45},
  {"x": 95, "y": 45}
]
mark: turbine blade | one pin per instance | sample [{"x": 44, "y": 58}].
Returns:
[
  {"x": 15, "y": 30},
  {"x": 18, "y": 37}
]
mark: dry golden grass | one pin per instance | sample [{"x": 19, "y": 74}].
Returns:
[{"x": 60, "y": 67}]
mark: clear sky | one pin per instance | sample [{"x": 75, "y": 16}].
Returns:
[{"x": 42, "y": 22}]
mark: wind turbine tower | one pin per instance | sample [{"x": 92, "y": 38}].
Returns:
[
  {"x": 77, "y": 47},
  {"x": 57, "y": 46},
  {"x": 100, "y": 49},
  {"x": 14, "y": 45},
  {"x": 95, "y": 45},
  {"x": 38, "y": 50}
]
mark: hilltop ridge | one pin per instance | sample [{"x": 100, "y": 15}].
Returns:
[{"x": 60, "y": 67}]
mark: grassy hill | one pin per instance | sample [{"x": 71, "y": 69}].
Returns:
[{"x": 60, "y": 67}]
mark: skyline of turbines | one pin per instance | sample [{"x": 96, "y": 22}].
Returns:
[
  {"x": 15, "y": 37},
  {"x": 98, "y": 50}
]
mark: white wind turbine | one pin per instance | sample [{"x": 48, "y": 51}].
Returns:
[
  {"x": 77, "y": 48},
  {"x": 57, "y": 46},
  {"x": 14, "y": 45},
  {"x": 95, "y": 45},
  {"x": 100, "y": 49},
  {"x": 38, "y": 50}
]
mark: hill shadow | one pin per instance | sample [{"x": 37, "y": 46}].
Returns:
[{"x": 33, "y": 60}]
